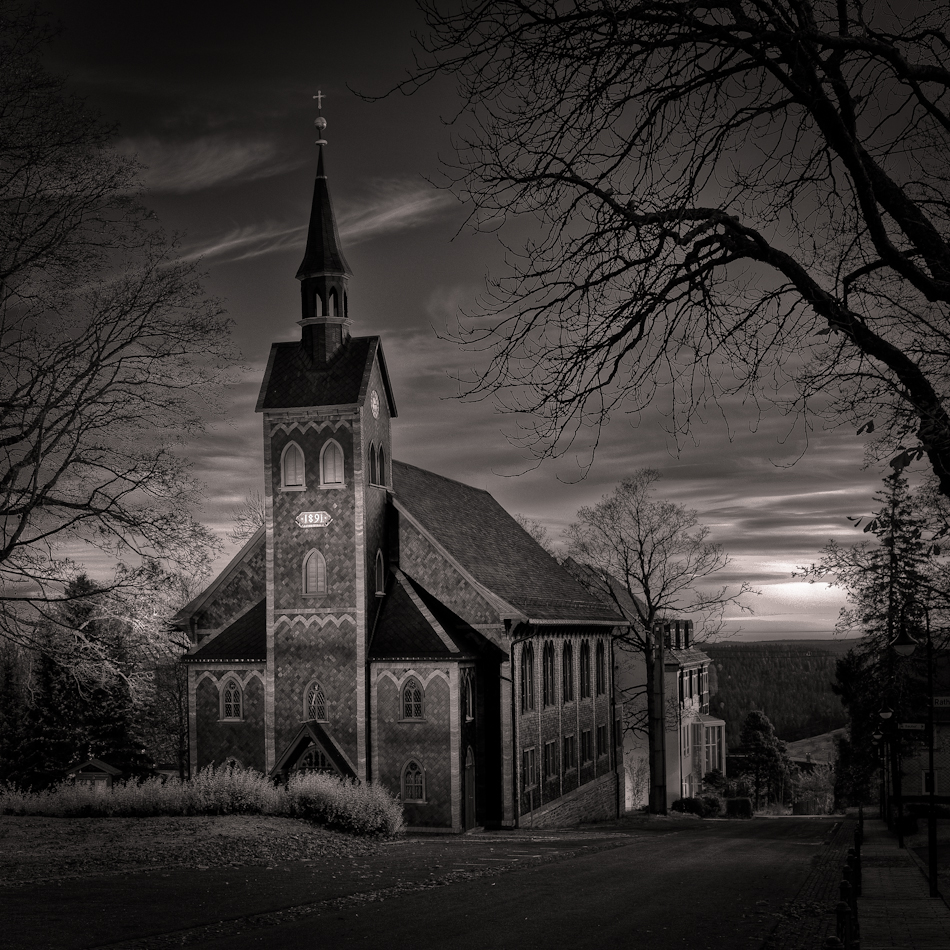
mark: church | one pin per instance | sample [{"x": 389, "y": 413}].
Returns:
[{"x": 388, "y": 624}]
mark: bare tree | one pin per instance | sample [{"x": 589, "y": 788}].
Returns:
[
  {"x": 650, "y": 558},
  {"x": 247, "y": 517},
  {"x": 109, "y": 353},
  {"x": 745, "y": 196},
  {"x": 538, "y": 531}
]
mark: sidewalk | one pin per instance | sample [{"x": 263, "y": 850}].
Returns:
[{"x": 895, "y": 909}]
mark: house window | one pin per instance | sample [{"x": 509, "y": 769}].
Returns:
[
  {"x": 527, "y": 678},
  {"x": 529, "y": 768},
  {"x": 587, "y": 746},
  {"x": 315, "y": 706},
  {"x": 602, "y": 740},
  {"x": 292, "y": 467},
  {"x": 567, "y": 673},
  {"x": 314, "y": 760},
  {"x": 232, "y": 701},
  {"x": 413, "y": 782},
  {"x": 601, "y": 668},
  {"x": 380, "y": 575},
  {"x": 372, "y": 464},
  {"x": 682, "y": 689},
  {"x": 412, "y": 707},
  {"x": 713, "y": 749},
  {"x": 925, "y": 777},
  {"x": 547, "y": 682},
  {"x": 468, "y": 694},
  {"x": 550, "y": 760},
  {"x": 585, "y": 670},
  {"x": 381, "y": 467},
  {"x": 331, "y": 464},
  {"x": 570, "y": 753},
  {"x": 314, "y": 574}
]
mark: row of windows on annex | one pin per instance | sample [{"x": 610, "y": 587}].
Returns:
[
  {"x": 314, "y": 574},
  {"x": 412, "y": 699},
  {"x": 293, "y": 467},
  {"x": 694, "y": 684},
  {"x": 549, "y": 677},
  {"x": 551, "y": 767}
]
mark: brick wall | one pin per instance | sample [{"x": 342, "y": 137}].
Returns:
[
  {"x": 217, "y": 740},
  {"x": 429, "y": 742},
  {"x": 595, "y": 801}
]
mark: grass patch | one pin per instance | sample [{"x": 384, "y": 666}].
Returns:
[{"x": 342, "y": 804}]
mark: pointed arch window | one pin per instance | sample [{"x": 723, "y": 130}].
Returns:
[
  {"x": 585, "y": 670},
  {"x": 413, "y": 782},
  {"x": 601, "y": 668},
  {"x": 567, "y": 673},
  {"x": 527, "y": 678},
  {"x": 314, "y": 760},
  {"x": 331, "y": 465},
  {"x": 232, "y": 700},
  {"x": 380, "y": 575},
  {"x": 547, "y": 674},
  {"x": 381, "y": 467},
  {"x": 373, "y": 477},
  {"x": 317, "y": 304},
  {"x": 468, "y": 695},
  {"x": 314, "y": 574},
  {"x": 333, "y": 306},
  {"x": 315, "y": 703},
  {"x": 413, "y": 706},
  {"x": 292, "y": 474}
]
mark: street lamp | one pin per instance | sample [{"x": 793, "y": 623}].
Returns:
[{"x": 904, "y": 645}]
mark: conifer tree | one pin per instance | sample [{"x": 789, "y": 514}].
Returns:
[{"x": 766, "y": 757}]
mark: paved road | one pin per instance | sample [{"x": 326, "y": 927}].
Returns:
[
  {"x": 703, "y": 886},
  {"x": 712, "y": 885}
]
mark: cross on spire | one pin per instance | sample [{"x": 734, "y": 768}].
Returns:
[
  {"x": 320, "y": 122},
  {"x": 319, "y": 97}
]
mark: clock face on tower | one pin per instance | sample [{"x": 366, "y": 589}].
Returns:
[{"x": 374, "y": 404}]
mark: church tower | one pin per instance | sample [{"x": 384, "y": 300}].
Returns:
[{"x": 326, "y": 403}]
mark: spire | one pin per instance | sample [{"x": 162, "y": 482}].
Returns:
[
  {"x": 323, "y": 273},
  {"x": 323, "y": 255}
]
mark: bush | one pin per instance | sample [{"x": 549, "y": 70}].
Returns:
[
  {"x": 692, "y": 806},
  {"x": 739, "y": 808},
  {"x": 337, "y": 803},
  {"x": 344, "y": 804},
  {"x": 712, "y": 805}
]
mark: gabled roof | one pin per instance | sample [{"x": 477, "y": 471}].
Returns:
[
  {"x": 316, "y": 733},
  {"x": 491, "y": 548},
  {"x": 293, "y": 381},
  {"x": 413, "y": 624},
  {"x": 243, "y": 640},
  {"x": 193, "y": 606}
]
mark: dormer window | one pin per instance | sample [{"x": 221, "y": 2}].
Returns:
[
  {"x": 331, "y": 465},
  {"x": 292, "y": 477}
]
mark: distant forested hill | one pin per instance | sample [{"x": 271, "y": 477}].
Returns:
[{"x": 789, "y": 680}]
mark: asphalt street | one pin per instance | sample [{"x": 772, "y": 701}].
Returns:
[{"x": 656, "y": 884}]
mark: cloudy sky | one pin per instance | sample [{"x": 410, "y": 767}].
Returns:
[{"x": 217, "y": 102}]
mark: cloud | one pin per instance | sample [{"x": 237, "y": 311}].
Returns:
[
  {"x": 240, "y": 244},
  {"x": 184, "y": 167},
  {"x": 392, "y": 205}
]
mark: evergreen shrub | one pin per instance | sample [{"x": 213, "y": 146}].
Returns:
[
  {"x": 692, "y": 806},
  {"x": 738, "y": 807}
]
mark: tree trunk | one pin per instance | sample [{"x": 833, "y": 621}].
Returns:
[{"x": 656, "y": 731}]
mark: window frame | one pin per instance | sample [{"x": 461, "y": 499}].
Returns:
[
  {"x": 380, "y": 568},
  {"x": 284, "y": 484},
  {"x": 569, "y": 752},
  {"x": 413, "y": 703},
  {"x": 227, "y": 683},
  {"x": 332, "y": 443},
  {"x": 527, "y": 678},
  {"x": 603, "y": 740},
  {"x": 587, "y": 746},
  {"x": 586, "y": 691},
  {"x": 549, "y": 763},
  {"x": 381, "y": 467},
  {"x": 600, "y": 669},
  {"x": 529, "y": 768},
  {"x": 567, "y": 673},
  {"x": 318, "y": 686},
  {"x": 421, "y": 785},
  {"x": 305, "y": 592},
  {"x": 548, "y": 677},
  {"x": 468, "y": 696}
]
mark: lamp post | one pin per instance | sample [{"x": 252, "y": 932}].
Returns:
[
  {"x": 889, "y": 727},
  {"x": 904, "y": 645}
]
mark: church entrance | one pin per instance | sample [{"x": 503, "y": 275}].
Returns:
[{"x": 469, "y": 788}]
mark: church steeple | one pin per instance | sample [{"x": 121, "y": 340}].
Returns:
[{"x": 323, "y": 273}]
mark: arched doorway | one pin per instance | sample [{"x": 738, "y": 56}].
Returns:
[{"x": 469, "y": 792}]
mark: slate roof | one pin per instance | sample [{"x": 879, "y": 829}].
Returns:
[
  {"x": 404, "y": 631},
  {"x": 323, "y": 254},
  {"x": 487, "y": 543},
  {"x": 245, "y": 639},
  {"x": 293, "y": 381}
]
